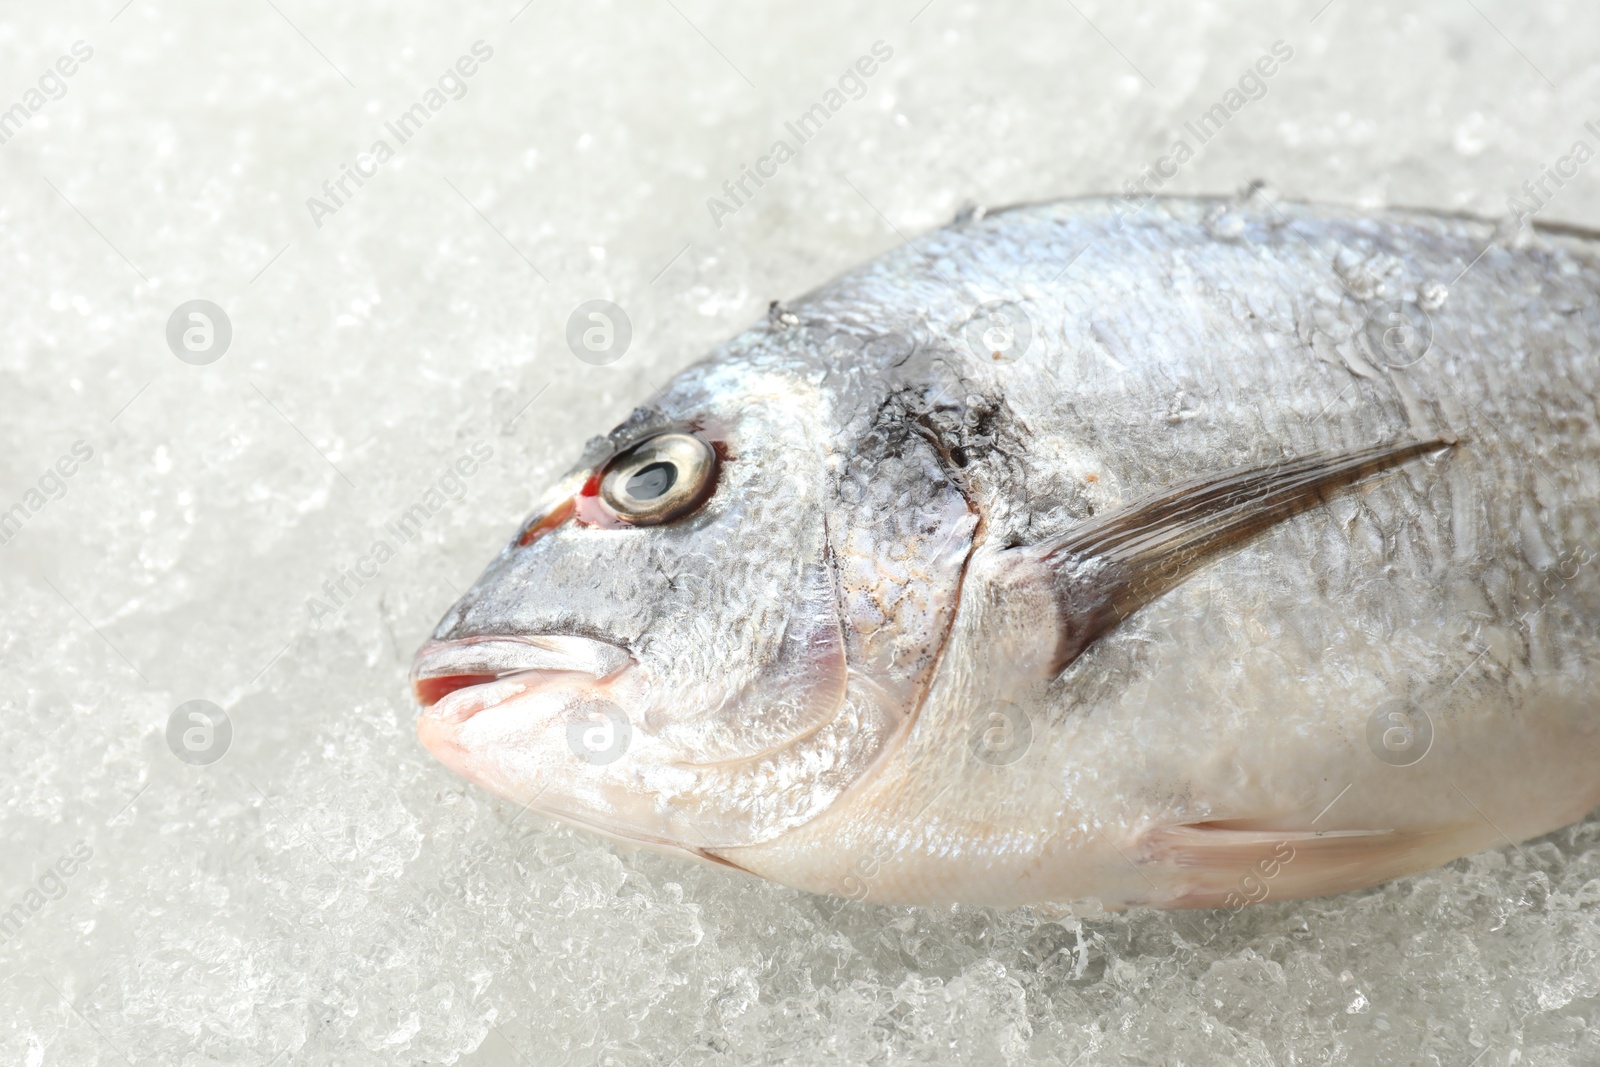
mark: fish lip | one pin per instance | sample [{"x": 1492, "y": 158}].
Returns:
[{"x": 444, "y": 667}]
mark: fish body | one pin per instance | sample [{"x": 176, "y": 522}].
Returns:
[{"x": 1191, "y": 556}]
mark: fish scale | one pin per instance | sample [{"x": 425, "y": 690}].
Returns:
[{"x": 1136, "y": 611}]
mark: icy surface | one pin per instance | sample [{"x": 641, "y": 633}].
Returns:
[{"x": 325, "y": 893}]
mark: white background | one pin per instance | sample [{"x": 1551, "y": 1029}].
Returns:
[{"x": 325, "y": 893}]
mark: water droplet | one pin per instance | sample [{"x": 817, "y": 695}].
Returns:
[
  {"x": 1225, "y": 225},
  {"x": 1360, "y": 280}
]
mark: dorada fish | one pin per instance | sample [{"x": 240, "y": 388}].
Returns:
[{"x": 1215, "y": 552}]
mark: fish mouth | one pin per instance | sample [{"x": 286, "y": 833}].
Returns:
[{"x": 444, "y": 669}]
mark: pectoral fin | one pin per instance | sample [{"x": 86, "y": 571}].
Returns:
[
  {"x": 1112, "y": 565},
  {"x": 1217, "y": 865}
]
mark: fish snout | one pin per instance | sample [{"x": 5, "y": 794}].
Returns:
[
  {"x": 444, "y": 669},
  {"x": 529, "y": 716}
]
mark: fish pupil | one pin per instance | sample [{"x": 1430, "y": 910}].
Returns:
[{"x": 651, "y": 481}]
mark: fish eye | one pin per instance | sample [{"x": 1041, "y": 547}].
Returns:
[{"x": 659, "y": 479}]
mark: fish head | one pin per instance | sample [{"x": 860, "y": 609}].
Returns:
[{"x": 717, "y": 621}]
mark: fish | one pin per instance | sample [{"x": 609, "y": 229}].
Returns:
[{"x": 1186, "y": 553}]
